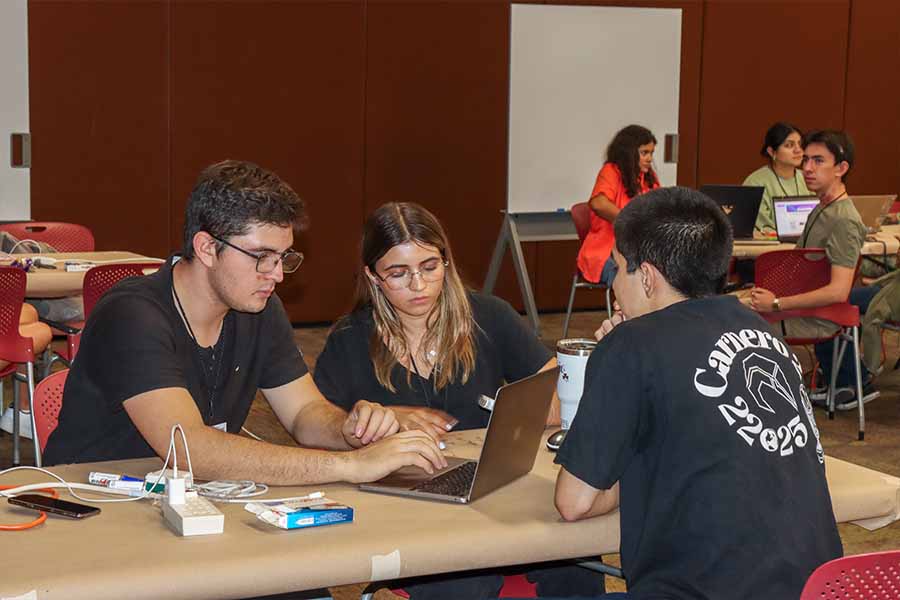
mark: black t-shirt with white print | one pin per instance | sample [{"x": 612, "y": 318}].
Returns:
[{"x": 702, "y": 416}]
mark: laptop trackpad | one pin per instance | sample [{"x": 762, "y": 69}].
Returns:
[{"x": 409, "y": 477}]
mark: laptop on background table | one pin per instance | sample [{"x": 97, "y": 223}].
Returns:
[
  {"x": 791, "y": 213},
  {"x": 741, "y": 204},
  {"x": 872, "y": 209},
  {"x": 510, "y": 448}
]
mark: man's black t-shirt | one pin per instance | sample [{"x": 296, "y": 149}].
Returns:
[
  {"x": 135, "y": 342},
  {"x": 506, "y": 350},
  {"x": 702, "y": 416}
]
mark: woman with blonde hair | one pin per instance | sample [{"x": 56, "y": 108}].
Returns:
[
  {"x": 420, "y": 342},
  {"x": 417, "y": 339}
]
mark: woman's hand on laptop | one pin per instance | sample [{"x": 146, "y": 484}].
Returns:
[
  {"x": 407, "y": 448},
  {"x": 368, "y": 422},
  {"x": 435, "y": 423}
]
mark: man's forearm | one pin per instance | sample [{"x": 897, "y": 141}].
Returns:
[
  {"x": 822, "y": 296},
  {"x": 219, "y": 455},
  {"x": 319, "y": 426}
]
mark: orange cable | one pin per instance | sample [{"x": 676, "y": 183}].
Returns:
[{"x": 41, "y": 517}]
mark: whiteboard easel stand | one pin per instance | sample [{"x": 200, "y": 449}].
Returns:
[{"x": 527, "y": 227}]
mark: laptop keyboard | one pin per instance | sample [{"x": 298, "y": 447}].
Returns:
[{"x": 452, "y": 483}]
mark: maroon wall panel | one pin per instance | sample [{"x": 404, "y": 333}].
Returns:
[
  {"x": 98, "y": 91},
  {"x": 279, "y": 84},
  {"x": 766, "y": 61},
  {"x": 436, "y": 118},
  {"x": 872, "y": 110}
]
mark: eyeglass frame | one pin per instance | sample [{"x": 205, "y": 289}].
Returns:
[
  {"x": 444, "y": 261},
  {"x": 259, "y": 257}
]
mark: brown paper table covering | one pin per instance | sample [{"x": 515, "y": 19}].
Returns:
[
  {"x": 128, "y": 550},
  {"x": 58, "y": 283}
]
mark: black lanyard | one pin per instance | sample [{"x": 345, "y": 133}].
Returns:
[
  {"x": 781, "y": 185},
  {"x": 423, "y": 382},
  {"x": 809, "y": 226},
  {"x": 216, "y": 356}
]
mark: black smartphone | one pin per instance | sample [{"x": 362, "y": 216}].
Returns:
[{"x": 54, "y": 506}]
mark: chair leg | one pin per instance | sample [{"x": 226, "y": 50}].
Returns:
[
  {"x": 833, "y": 380},
  {"x": 34, "y": 435},
  {"x": 16, "y": 457},
  {"x": 46, "y": 361},
  {"x": 569, "y": 309},
  {"x": 859, "y": 387}
]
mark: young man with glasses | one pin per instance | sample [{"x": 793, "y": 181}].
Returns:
[
  {"x": 836, "y": 226},
  {"x": 194, "y": 342}
]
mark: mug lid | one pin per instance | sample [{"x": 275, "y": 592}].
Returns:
[{"x": 576, "y": 346}]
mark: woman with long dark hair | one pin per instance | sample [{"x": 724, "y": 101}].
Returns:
[
  {"x": 627, "y": 172},
  {"x": 420, "y": 342},
  {"x": 781, "y": 175}
]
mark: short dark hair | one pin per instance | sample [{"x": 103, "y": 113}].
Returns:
[
  {"x": 681, "y": 232},
  {"x": 837, "y": 142},
  {"x": 232, "y": 195},
  {"x": 776, "y": 135}
]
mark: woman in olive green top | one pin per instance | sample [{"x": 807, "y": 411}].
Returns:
[{"x": 783, "y": 147}]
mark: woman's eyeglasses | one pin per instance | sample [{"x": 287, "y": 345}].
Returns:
[{"x": 400, "y": 279}]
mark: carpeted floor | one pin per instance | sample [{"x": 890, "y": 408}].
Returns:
[{"x": 880, "y": 450}]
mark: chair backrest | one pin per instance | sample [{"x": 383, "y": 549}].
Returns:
[
  {"x": 64, "y": 237},
  {"x": 874, "y": 576},
  {"x": 48, "y": 396},
  {"x": 581, "y": 217},
  {"x": 98, "y": 280},
  {"x": 13, "y": 347},
  {"x": 789, "y": 272}
]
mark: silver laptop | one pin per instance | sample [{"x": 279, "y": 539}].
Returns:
[
  {"x": 510, "y": 448},
  {"x": 791, "y": 213},
  {"x": 872, "y": 209}
]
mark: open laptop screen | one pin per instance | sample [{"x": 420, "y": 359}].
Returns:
[
  {"x": 740, "y": 203},
  {"x": 790, "y": 215}
]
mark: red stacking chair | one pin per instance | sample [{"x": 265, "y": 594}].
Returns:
[
  {"x": 799, "y": 270},
  {"x": 874, "y": 576},
  {"x": 48, "y": 396},
  {"x": 97, "y": 281},
  {"x": 64, "y": 237},
  {"x": 581, "y": 217},
  {"x": 15, "y": 349}
]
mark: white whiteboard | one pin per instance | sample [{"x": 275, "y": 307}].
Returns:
[
  {"x": 15, "y": 184},
  {"x": 578, "y": 74}
]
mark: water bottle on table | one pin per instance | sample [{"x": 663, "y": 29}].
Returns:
[{"x": 572, "y": 356}]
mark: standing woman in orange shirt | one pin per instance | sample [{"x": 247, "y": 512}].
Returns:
[{"x": 628, "y": 171}]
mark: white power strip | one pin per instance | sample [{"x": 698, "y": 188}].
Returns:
[{"x": 197, "y": 516}]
